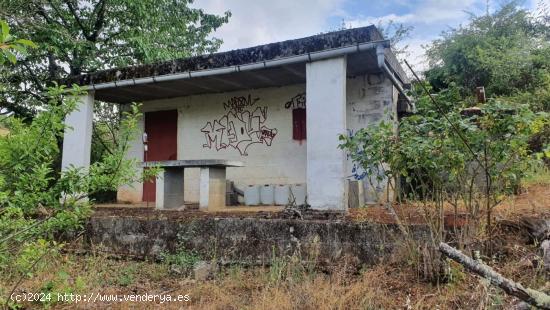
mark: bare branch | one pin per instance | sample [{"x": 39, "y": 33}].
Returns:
[{"x": 530, "y": 296}]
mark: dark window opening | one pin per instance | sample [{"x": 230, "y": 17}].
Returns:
[{"x": 299, "y": 124}]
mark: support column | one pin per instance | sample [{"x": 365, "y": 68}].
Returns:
[
  {"x": 169, "y": 188},
  {"x": 326, "y": 119},
  {"x": 212, "y": 188},
  {"x": 77, "y": 140}
]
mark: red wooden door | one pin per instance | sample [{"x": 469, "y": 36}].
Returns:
[{"x": 162, "y": 141}]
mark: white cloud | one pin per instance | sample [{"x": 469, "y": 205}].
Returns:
[
  {"x": 427, "y": 18},
  {"x": 256, "y": 22},
  {"x": 260, "y": 22}
]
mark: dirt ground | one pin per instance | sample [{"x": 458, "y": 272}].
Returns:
[{"x": 533, "y": 201}]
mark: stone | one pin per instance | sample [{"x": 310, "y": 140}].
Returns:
[
  {"x": 203, "y": 271},
  {"x": 545, "y": 247}
]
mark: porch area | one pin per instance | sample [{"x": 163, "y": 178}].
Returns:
[{"x": 222, "y": 123}]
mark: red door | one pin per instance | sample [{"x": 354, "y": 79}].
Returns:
[{"x": 162, "y": 137}]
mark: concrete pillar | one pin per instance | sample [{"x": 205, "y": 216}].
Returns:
[
  {"x": 77, "y": 140},
  {"x": 133, "y": 193},
  {"x": 169, "y": 188},
  {"x": 212, "y": 188},
  {"x": 326, "y": 119}
]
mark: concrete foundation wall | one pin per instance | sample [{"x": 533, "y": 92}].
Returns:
[
  {"x": 267, "y": 113},
  {"x": 249, "y": 240}
]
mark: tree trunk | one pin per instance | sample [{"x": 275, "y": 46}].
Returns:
[{"x": 532, "y": 297}]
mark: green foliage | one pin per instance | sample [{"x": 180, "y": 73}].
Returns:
[
  {"x": 447, "y": 155},
  {"x": 61, "y": 285},
  {"x": 38, "y": 203},
  {"x": 10, "y": 45},
  {"x": 428, "y": 147},
  {"x": 76, "y": 37},
  {"x": 507, "y": 52},
  {"x": 126, "y": 276},
  {"x": 183, "y": 260}
]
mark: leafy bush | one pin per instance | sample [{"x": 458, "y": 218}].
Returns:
[
  {"x": 182, "y": 261},
  {"x": 446, "y": 154},
  {"x": 38, "y": 202}
]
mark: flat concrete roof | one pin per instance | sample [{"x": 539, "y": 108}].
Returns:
[{"x": 119, "y": 85}]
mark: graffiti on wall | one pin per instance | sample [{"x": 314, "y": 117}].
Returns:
[
  {"x": 238, "y": 104},
  {"x": 357, "y": 172},
  {"x": 298, "y": 101},
  {"x": 240, "y": 127}
]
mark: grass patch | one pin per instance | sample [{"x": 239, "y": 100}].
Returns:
[{"x": 538, "y": 174}]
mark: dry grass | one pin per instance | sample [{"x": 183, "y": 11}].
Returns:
[
  {"x": 533, "y": 201},
  {"x": 393, "y": 285},
  {"x": 289, "y": 285}
]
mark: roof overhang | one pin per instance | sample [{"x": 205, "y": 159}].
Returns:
[{"x": 361, "y": 59}]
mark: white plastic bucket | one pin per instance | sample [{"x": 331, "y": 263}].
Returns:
[
  {"x": 298, "y": 194},
  {"x": 282, "y": 193},
  {"x": 252, "y": 195},
  {"x": 267, "y": 196}
]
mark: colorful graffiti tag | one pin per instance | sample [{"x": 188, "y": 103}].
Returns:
[{"x": 239, "y": 128}]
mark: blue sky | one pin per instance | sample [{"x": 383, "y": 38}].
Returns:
[{"x": 257, "y": 22}]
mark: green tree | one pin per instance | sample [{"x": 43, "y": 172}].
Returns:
[
  {"x": 37, "y": 203},
  {"x": 507, "y": 51},
  {"x": 447, "y": 156},
  {"x": 82, "y": 36}
]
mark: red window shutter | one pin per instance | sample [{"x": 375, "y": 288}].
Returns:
[
  {"x": 299, "y": 124},
  {"x": 303, "y": 122}
]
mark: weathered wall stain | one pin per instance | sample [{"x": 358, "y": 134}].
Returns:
[
  {"x": 247, "y": 240},
  {"x": 240, "y": 127}
]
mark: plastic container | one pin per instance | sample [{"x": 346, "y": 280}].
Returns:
[
  {"x": 298, "y": 194},
  {"x": 267, "y": 195},
  {"x": 252, "y": 195},
  {"x": 282, "y": 193}
]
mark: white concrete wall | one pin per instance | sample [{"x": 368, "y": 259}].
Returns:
[
  {"x": 368, "y": 99},
  {"x": 281, "y": 162},
  {"x": 326, "y": 120},
  {"x": 134, "y": 192}
]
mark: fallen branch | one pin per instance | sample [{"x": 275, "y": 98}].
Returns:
[{"x": 530, "y": 296}]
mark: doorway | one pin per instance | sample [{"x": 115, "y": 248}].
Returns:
[{"x": 161, "y": 128}]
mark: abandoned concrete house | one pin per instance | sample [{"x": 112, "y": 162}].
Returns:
[{"x": 265, "y": 119}]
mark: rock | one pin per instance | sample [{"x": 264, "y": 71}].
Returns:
[
  {"x": 528, "y": 262},
  {"x": 203, "y": 271},
  {"x": 545, "y": 247},
  {"x": 522, "y": 305}
]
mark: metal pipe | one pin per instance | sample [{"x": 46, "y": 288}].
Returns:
[
  {"x": 381, "y": 59},
  {"x": 246, "y": 67}
]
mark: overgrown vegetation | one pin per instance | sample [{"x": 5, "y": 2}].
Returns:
[
  {"x": 39, "y": 204},
  {"x": 456, "y": 152},
  {"x": 77, "y": 37}
]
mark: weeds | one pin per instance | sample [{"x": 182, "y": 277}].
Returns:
[
  {"x": 181, "y": 262},
  {"x": 538, "y": 173}
]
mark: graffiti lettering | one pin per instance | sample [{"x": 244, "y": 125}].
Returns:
[
  {"x": 298, "y": 101},
  {"x": 239, "y": 130},
  {"x": 357, "y": 172},
  {"x": 237, "y": 104}
]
